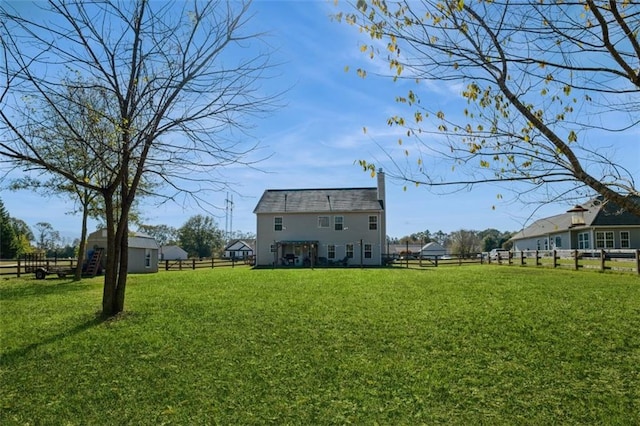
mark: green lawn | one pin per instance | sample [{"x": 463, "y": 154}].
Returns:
[{"x": 457, "y": 345}]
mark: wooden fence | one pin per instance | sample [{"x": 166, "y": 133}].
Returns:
[
  {"x": 20, "y": 267},
  {"x": 602, "y": 260},
  {"x": 435, "y": 261},
  {"x": 192, "y": 264},
  {"x": 26, "y": 267}
]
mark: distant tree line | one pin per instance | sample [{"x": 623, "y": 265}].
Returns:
[
  {"x": 200, "y": 236},
  {"x": 463, "y": 242}
]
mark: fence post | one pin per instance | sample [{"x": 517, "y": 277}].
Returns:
[
  {"x": 555, "y": 258},
  {"x": 602, "y": 260},
  {"x": 180, "y": 265},
  {"x": 510, "y": 258},
  {"x": 538, "y": 258},
  {"x": 19, "y": 267},
  {"x": 233, "y": 262},
  {"x": 194, "y": 264},
  {"x": 638, "y": 262},
  {"x": 522, "y": 258},
  {"x": 166, "y": 265},
  {"x": 575, "y": 260},
  {"x": 212, "y": 262}
]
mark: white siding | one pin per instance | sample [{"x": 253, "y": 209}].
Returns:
[{"x": 304, "y": 227}]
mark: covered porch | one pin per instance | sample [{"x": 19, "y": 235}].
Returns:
[{"x": 296, "y": 253}]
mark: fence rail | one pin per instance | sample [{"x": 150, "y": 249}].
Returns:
[
  {"x": 20, "y": 267},
  {"x": 24, "y": 267},
  {"x": 602, "y": 260},
  {"x": 185, "y": 264},
  {"x": 435, "y": 261}
]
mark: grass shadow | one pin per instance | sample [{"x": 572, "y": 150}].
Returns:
[
  {"x": 7, "y": 358},
  {"x": 29, "y": 288}
]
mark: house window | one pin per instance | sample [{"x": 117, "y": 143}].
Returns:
[
  {"x": 368, "y": 251},
  {"x": 349, "y": 251},
  {"x": 625, "y": 240},
  {"x": 558, "y": 242},
  {"x": 604, "y": 239},
  {"x": 277, "y": 224},
  {"x": 323, "y": 221},
  {"x": 338, "y": 222},
  {"x": 546, "y": 244},
  {"x": 373, "y": 223},
  {"x": 147, "y": 258},
  {"x": 331, "y": 251},
  {"x": 583, "y": 241}
]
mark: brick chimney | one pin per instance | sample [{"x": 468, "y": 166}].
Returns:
[
  {"x": 382, "y": 198},
  {"x": 381, "y": 189}
]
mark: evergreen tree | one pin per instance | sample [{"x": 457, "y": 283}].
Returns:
[{"x": 7, "y": 234}]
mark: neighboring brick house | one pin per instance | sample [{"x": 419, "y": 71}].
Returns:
[
  {"x": 307, "y": 227},
  {"x": 595, "y": 225}
]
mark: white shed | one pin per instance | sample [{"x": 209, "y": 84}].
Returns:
[
  {"x": 432, "y": 249},
  {"x": 143, "y": 250},
  {"x": 173, "y": 253}
]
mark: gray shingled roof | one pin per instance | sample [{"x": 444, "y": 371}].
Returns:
[
  {"x": 139, "y": 240},
  {"x": 318, "y": 200},
  {"x": 597, "y": 214}
]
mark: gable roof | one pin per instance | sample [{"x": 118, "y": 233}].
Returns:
[
  {"x": 318, "y": 200},
  {"x": 139, "y": 240},
  {"x": 173, "y": 247},
  {"x": 598, "y": 213},
  {"x": 236, "y": 245},
  {"x": 432, "y": 246}
]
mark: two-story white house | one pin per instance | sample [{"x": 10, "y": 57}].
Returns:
[{"x": 317, "y": 227}]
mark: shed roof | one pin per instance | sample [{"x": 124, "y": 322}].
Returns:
[
  {"x": 432, "y": 247},
  {"x": 138, "y": 240},
  {"x": 318, "y": 200}
]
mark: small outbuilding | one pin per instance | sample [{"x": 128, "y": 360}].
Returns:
[
  {"x": 143, "y": 250},
  {"x": 173, "y": 253},
  {"x": 432, "y": 249}
]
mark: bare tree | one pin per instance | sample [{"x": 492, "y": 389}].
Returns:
[
  {"x": 176, "y": 80},
  {"x": 539, "y": 78},
  {"x": 465, "y": 243}
]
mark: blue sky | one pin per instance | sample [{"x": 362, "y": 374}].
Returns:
[{"x": 316, "y": 139}]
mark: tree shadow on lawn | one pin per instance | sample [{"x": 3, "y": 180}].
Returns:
[
  {"x": 10, "y": 357},
  {"x": 33, "y": 287}
]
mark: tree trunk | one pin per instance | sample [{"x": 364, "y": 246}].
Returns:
[
  {"x": 110, "y": 271},
  {"x": 83, "y": 245}
]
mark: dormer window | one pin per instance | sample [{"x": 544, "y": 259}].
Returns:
[{"x": 577, "y": 215}]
